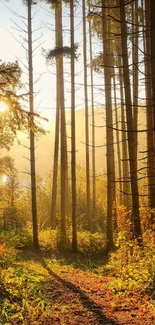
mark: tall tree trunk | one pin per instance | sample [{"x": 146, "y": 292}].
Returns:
[
  {"x": 86, "y": 116},
  {"x": 118, "y": 141},
  {"x": 149, "y": 103},
  {"x": 62, "y": 123},
  {"x": 56, "y": 146},
  {"x": 73, "y": 132},
  {"x": 32, "y": 140},
  {"x": 109, "y": 131},
  {"x": 111, "y": 64},
  {"x": 125, "y": 156},
  {"x": 135, "y": 30},
  {"x": 93, "y": 125},
  {"x": 152, "y": 19},
  {"x": 131, "y": 137}
]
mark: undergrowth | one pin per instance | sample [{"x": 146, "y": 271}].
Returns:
[
  {"x": 88, "y": 244},
  {"x": 131, "y": 270}
]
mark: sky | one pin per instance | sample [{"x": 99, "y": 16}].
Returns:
[{"x": 13, "y": 19}]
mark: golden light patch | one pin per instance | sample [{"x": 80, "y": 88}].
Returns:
[{"x": 3, "y": 107}]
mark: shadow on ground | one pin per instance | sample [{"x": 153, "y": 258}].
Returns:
[
  {"x": 84, "y": 299},
  {"x": 75, "y": 260}
]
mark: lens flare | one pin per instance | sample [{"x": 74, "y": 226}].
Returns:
[
  {"x": 4, "y": 179},
  {"x": 3, "y": 107}
]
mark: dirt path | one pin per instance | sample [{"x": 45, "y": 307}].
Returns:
[{"x": 78, "y": 297}]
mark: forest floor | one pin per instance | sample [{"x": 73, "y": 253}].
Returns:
[{"x": 37, "y": 289}]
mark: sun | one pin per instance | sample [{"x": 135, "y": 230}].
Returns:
[
  {"x": 4, "y": 179},
  {"x": 3, "y": 107}
]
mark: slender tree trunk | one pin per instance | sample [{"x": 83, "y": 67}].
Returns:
[
  {"x": 73, "y": 132},
  {"x": 135, "y": 30},
  {"x": 152, "y": 34},
  {"x": 125, "y": 157},
  {"x": 111, "y": 64},
  {"x": 55, "y": 167},
  {"x": 67, "y": 172},
  {"x": 56, "y": 146},
  {"x": 86, "y": 116},
  {"x": 32, "y": 140},
  {"x": 62, "y": 123},
  {"x": 150, "y": 104},
  {"x": 118, "y": 142},
  {"x": 131, "y": 137},
  {"x": 109, "y": 131},
  {"x": 93, "y": 124},
  {"x": 152, "y": 16}
]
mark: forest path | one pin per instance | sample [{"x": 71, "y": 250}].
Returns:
[{"x": 77, "y": 296}]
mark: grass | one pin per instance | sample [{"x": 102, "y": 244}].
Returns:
[{"x": 56, "y": 287}]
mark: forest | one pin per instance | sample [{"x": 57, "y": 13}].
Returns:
[{"x": 77, "y": 162}]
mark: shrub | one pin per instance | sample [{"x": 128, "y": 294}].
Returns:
[
  {"x": 90, "y": 244},
  {"x": 48, "y": 239},
  {"x": 7, "y": 255},
  {"x": 133, "y": 268},
  {"x": 16, "y": 238}
]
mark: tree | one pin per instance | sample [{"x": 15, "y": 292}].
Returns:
[
  {"x": 135, "y": 31},
  {"x": 86, "y": 115},
  {"x": 32, "y": 137},
  {"x": 58, "y": 52},
  {"x": 62, "y": 123},
  {"x": 131, "y": 138},
  {"x": 57, "y": 129},
  {"x": 15, "y": 118},
  {"x": 117, "y": 139},
  {"x": 93, "y": 121},
  {"x": 9, "y": 188},
  {"x": 109, "y": 130},
  {"x": 151, "y": 7},
  {"x": 73, "y": 132},
  {"x": 125, "y": 156}
]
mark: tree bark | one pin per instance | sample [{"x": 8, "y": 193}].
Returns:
[
  {"x": 109, "y": 131},
  {"x": 73, "y": 132},
  {"x": 56, "y": 146},
  {"x": 32, "y": 139},
  {"x": 86, "y": 117},
  {"x": 135, "y": 30},
  {"x": 152, "y": 19},
  {"x": 125, "y": 156},
  {"x": 93, "y": 125},
  {"x": 62, "y": 123},
  {"x": 131, "y": 137},
  {"x": 118, "y": 143},
  {"x": 150, "y": 96}
]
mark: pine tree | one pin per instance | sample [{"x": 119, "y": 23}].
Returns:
[
  {"x": 86, "y": 116},
  {"x": 73, "y": 132},
  {"x": 109, "y": 130},
  {"x": 131, "y": 138},
  {"x": 32, "y": 137}
]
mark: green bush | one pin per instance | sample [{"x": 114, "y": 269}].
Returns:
[
  {"x": 133, "y": 268},
  {"x": 90, "y": 244},
  {"x": 16, "y": 238}
]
